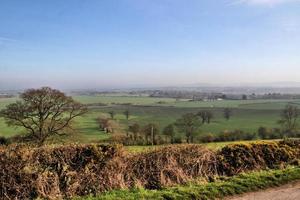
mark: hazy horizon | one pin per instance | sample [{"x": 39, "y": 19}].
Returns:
[{"x": 148, "y": 43}]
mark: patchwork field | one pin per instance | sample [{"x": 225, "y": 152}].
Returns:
[{"x": 248, "y": 115}]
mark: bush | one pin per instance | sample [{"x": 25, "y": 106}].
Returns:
[
  {"x": 3, "y": 141},
  {"x": 207, "y": 138},
  {"x": 170, "y": 165},
  {"x": 177, "y": 140},
  {"x": 265, "y": 133},
  {"x": 226, "y": 136},
  {"x": 237, "y": 158},
  {"x": 58, "y": 172}
]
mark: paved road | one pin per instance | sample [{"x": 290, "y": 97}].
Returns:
[{"x": 287, "y": 192}]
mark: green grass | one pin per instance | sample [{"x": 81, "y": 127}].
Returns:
[
  {"x": 248, "y": 115},
  {"x": 212, "y": 146},
  {"x": 113, "y": 99},
  {"x": 247, "y": 120},
  {"x": 239, "y": 184}
]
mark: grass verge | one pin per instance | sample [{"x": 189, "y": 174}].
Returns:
[{"x": 239, "y": 184}]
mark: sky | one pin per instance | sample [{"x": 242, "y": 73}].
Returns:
[{"x": 81, "y": 44}]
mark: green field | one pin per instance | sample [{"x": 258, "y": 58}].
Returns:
[{"x": 248, "y": 115}]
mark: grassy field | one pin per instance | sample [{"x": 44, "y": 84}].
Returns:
[
  {"x": 215, "y": 190},
  {"x": 212, "y": 146},
  {"x": 248, "y": 115}
]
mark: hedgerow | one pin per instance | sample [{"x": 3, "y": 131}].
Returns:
[
  {"x": 53, "y": 172},
  {"x": 237, "y": 158}
]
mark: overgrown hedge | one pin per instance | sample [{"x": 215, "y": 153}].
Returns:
[
  {"x": 79, "y": 170},
  {"x": 54, "y": 172},
  {"x": 236, "y": 158}
]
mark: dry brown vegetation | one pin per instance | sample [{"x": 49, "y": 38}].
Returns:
[
  {"x": 77, "y": 170},
  {"x": 241, "y": 157}
]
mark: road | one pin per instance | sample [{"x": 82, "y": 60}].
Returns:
[{"x": 287, "y": 192}]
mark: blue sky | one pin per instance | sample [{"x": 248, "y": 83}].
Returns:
[{"x": 118, "y": 43}]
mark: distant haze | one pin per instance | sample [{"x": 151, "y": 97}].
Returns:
[{"x": 149, "y": 43}]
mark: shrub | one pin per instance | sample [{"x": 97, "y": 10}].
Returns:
[
  {"x": 57, "y": 172},
  {"x": 237, "y": 158},
  {"x": 207, "y": 138},
  {"x": 177, "y": 140},
  {"x": 227, "y": 135},
  {"x": 15, "y": 182},
  {"x": 3, "y": 141},
  {"x": 174, "y": 164},
  {"x": 265, "y": 133}
]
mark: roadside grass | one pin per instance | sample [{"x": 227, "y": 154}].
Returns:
[{"x": 224, "y": 186}]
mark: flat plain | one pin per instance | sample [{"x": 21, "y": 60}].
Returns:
[{"x": 248, "y": 115}]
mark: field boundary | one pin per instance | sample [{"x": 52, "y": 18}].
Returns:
[{"x": 224, "y": 187}]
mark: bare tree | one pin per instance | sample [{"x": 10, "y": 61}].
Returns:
[
  {"x": 227, "y": 113},
  {"x": 206, "y": 116},
  {"x": 134, "y": 129},
  {"x": 209, "y": 116},
  {"x": 43, "y": 113},
  {"x": 105, "y": 124},
  {"x": 127, "y": 114},
  {"x": 170, "y": 132},
  {"x": 112, "y": 114},
  {"x": 202, "y": 115},
  {"x": 151, "y": 130},
  {"x": 189, "y": 124},
  {"x": 289, "y": 117}
]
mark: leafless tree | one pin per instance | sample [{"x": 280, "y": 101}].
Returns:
[
  {"x": 43, "y": 113},
  {"x": 112, "y": 114},
  {"x": 169, "y": 131},
  {"x": 227, "y": 113},
  {"x": 134, "y": 129},
  {"x": 289, "y": 117},
  {"x": 206, "y": 116},
  {"x": 127, "y": 114},
  {"x": 189, "y": 124},
  {"x": 150, "y": 131}
]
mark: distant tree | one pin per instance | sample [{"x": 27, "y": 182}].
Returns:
[
  {"x": 202, "y": 115},
  {"x": 263, "y": 133},
  {"x": 103, "y": 123},
  {"x": 189, "y": 124},
  {"x": 150, "y": 131},
  {"x": 170, "y": 132},
  {"x": 127, "y": 114},
  {"x": 43, "y": 112},
  {"x": 134, "y": 129},
  {"x": 227, "y": 113},
  {"x": 244, "y": 97},
  {"x": 205, "y": 116},
  {"x": 112, "y": 114},
  {"x": 224, "y": 96},
  {"x": 289, "y": 117},
  {"x": 106, "y": 125},
  {"x": 209, "y": 116}
]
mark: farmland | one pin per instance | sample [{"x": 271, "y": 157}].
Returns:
[{"x": 248, "y": 115}]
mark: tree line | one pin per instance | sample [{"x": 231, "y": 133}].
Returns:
[{"x": 150, "y": 134}]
